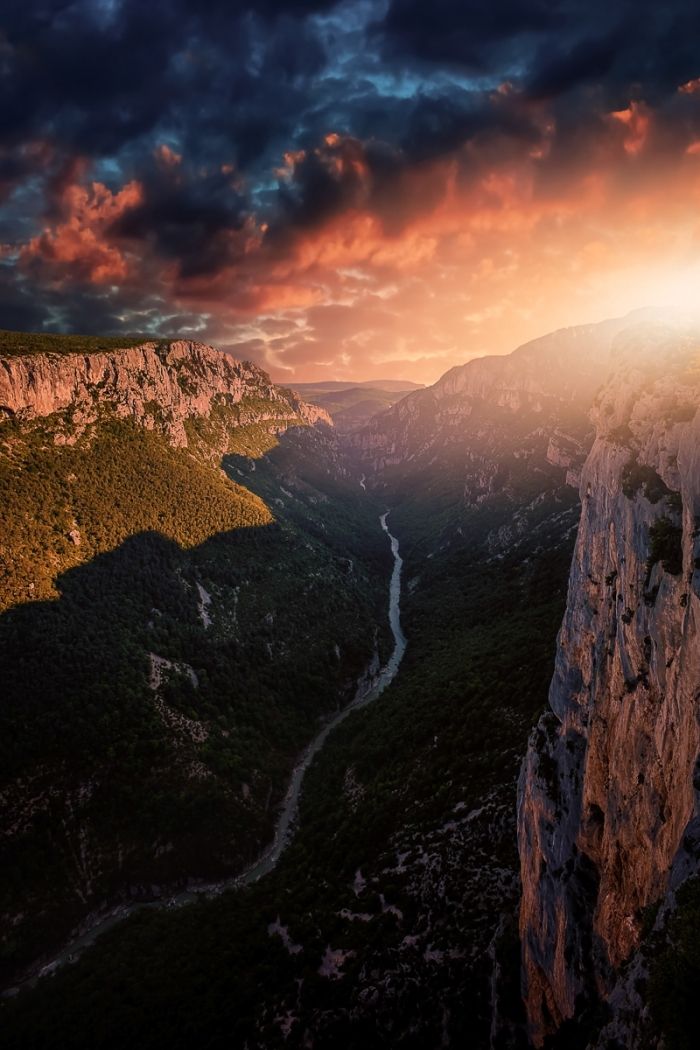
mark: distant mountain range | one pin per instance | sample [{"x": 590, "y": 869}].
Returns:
[
  {"x": 352, "y": 404},
  {"x": 397, "y": 386}
]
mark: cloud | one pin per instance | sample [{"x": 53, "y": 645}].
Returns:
[
  {"x": 464, "y": 33},
  {"x": 343, "y": 186},
  {"x": 582, "y": 62},
  {"x": 77, "y": 249},
  {"x": 167, "y": 156},
  {"x": 195, "y": 222},
  {"x": 635, "y": 118}
]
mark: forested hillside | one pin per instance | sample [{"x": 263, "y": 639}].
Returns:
[{"x": 169, "y": 640}]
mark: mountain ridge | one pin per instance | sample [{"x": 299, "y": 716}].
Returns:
[
  {"x": 574, "y": 459},
  {"x": 352, "y": 404},
  {"x": 160, "y": 385}
]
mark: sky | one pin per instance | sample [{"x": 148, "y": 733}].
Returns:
[{"x": 356, "y": 190}]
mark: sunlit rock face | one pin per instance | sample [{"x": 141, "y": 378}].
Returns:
[
  {"x": 183, "y": 379},
  {"x": 606, "y": 791},
  {"x": 544, "y": 385}
]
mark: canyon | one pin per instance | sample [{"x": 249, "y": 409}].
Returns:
[
  {"x": 451, "y": 866},
  {"x": 142, "y": 571}
]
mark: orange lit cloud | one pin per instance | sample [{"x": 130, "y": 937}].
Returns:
[
  {"x": 637, "y": 122},
  {"x": 468, "y": 252},
  {"x": 493, "y": 260},
  {"x": 77, "y": 248},
  {"x": 167, "y": 156}
]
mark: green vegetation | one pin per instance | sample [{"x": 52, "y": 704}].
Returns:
[
  {"x": 621, "y": 435},
  {"x": 674, "y": 984},
  {"x": 108, "y": 545},
  {"x": 405, "y": 858},
  {"x": 228, "y": 426},
  {"x": 15, "y": 344},
  {"x": 416, "y": 793},
  {"x": 115, "y": 481},
  {"x": 638, "y": 477},
  {"x": 666, "y": 546}
]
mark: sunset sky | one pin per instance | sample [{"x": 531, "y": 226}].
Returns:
[{"x": 347, "y": 190}]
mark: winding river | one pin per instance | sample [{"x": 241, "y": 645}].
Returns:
[
  {"x": 369, "y": 688},
  {"x": 367, "y": 692}
]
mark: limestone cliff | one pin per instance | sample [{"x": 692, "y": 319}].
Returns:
[
  {"x": 546, "y": 384},
  {"x": 606, "y": 792},
  {"x": 159, "y": 385}
]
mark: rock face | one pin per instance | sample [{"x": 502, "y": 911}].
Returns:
[
  {"x": 606, "y": 792},
  {"x": 159, "y": 385},
  {"x": 546, "y": 384},
  {"x": 493, "y": 450}
]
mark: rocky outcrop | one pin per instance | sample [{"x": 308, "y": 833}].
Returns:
[
  {"x": 546, "y": 385},
  {"x": 498, "y": 443},
  {"x": 159, "y": 385},
  {"x": 606, "y": 792}
]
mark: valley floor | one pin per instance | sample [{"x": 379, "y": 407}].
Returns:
[
  {"x": 370, "y": 687},
  {"x": 387, "y": 903}
]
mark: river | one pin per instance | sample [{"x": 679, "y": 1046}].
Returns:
[
  {"x": 367, "y": 691},
  {"x": 369, "y": 688}
]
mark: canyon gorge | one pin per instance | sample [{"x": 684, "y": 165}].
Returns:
[{"x": 197, "y": 554}]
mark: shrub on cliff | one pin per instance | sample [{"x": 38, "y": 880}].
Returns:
[
  {"x": 675, "y": 974},
  {"x": 666, "y": 541}
]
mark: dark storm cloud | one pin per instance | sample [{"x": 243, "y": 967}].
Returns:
[
  {"x": 19, "y": 308},
  {"x": 645, "y": 52},
  {"x": 586, "y": 60},
  {"x": 83, "y": 310},
  {"x": 441, "y": 124},
  {"x": 236, "y": 81},
  {"x": 239, "y": 83},
  {"x": 92, "y": 89},
  {"x": 185, "y": 220},
  {"x": 353, "y": 174},
  {"x": 550, "y": 46},
  {"x": 469, "y": 34},
  {"x": 97, "y": 76},
  {"x": 317, "y": 190}
]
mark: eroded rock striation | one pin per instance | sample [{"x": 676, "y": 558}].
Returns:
[
  {"x": 606, "y": 793},
  {"x": 159, "y": 385}
]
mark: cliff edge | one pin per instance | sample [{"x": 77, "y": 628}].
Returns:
[
  {"x": 160, "y": 385},
  {"x": 606, "y": 793}
]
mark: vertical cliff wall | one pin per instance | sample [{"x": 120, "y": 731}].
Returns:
[
  {"x": 606, "y": 791},
  {"x": 159, "y": 385}
]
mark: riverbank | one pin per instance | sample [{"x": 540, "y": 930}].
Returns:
[{"x": 365, "y": 695}]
